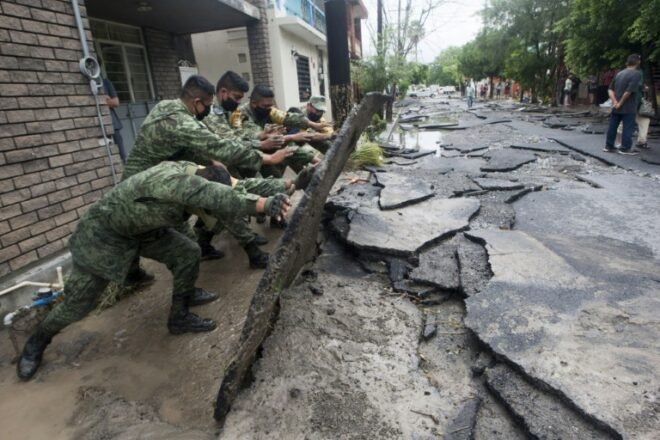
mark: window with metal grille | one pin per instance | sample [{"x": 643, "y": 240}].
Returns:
[
  {"x": 121, "y": 48},
  {"x": 304, "y": 80}
]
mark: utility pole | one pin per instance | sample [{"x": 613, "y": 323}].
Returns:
[
  {"x": 379, "y": 48},
  {"x": 339, "y": 62}
]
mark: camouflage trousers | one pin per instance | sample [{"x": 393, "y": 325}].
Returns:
[
  {"x": 300, "y": 158},
  {"x": 239, "y": 228},
  {"x": 82, "y": 289}
]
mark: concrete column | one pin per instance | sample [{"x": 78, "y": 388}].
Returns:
[
  {"x": 259, "y": 45},
  {"x": 339, "y": 65}
]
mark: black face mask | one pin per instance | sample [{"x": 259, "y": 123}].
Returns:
[
  {"x": 229, "y": 104},
  {"x": 262, "y": 113},
  {"x": 203, "y": 114},
  {"x": 314, "y": 117}
]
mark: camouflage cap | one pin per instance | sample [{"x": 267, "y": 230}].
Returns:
[{"x": 318, "y": 102}]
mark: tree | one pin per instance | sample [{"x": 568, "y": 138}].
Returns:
[
  {"x": 445, "y": 69},
  {"x": 536, "y": 57},
  {"x": 390, "y": 68},
  {"x": 597, "y": 34},
  {"x": 485, "y": 56}
]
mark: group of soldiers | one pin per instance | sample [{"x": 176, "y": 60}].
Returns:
[{"x": 200, "y": 156}]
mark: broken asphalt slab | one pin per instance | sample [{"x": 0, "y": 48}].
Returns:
[
  {"x": 590, "y": 145},
  {"x": 546, "y": 147},
  {"x": 507, "y": 160},
  {"x": 400, "y": 190},
  {"x": 624, "y": 207},
  {"x": 438, "y": 266},
  {"x": 498, "y": 184},
  {"x": 544, "y": 415},
  {"x": 404, "y": 231},
  {"x": 577, "y": 316}
]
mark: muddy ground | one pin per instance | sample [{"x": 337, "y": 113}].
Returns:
[{"x": 455, "y": 290}]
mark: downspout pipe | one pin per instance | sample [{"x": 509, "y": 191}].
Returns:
[{"x": 91, "y": 69}]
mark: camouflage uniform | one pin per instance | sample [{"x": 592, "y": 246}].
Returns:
[
  {"x": 138, "y": 217},
  {"x": 171, "y": 132},
  {"x": 246, "y": 121}
]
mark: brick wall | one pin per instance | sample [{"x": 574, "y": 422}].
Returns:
[
  {"x": 259, "y": 44},
  {"x": 52, "y": 166},
  {"x": 163, "y": 59}
]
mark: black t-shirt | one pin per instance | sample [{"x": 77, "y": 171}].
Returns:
[{"x": 628, "y": 80}]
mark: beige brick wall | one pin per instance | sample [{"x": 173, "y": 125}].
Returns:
[{"x": 52, "y": 166}]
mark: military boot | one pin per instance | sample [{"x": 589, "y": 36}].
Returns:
[
  {"x": 258, "y": 258},
  {"x": 139, "y": 278},
  {"x": 201, "y": 296},
  {"x": 30, "y": 359},
  {"x": 211, "y": 253},
  {"x": 182, "y": 321},
  {"x": 259, "y": 240}
]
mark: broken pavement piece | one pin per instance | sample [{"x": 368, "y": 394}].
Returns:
[
  {"x": 507, "y": 160},
  {"x": 400, "y": 190},
  {"x": 429, "y": 326},
  {"x": 462, "y": 427},
  {"x": 564, "y": 310},
  {"x": 439, "y": 266},
  {"x": 543, "y": 414},
  {"x": 404, "y": 231},
  {"x": 465, "y": 148},
  {"x": 546, "y": 147},
  {"x": 498, "y": 184}
]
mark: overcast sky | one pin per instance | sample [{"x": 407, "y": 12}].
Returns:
[{"x": 453, "y": 24}]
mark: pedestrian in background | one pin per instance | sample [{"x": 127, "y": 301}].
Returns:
[
  {"x": 644, "y": 114},
  {"x": 112, "y": 101},
  {"x": 471, "y": 93},
  {"x": 568, "y": 86},
  {"x": 624, "y": 92}
]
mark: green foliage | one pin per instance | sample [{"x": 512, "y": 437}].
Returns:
[
  {"x": 596, "y": 34},
  {"x": 534, "y": 40},
  {"x": 601, "y": 34},
  {"x": 445, "y": 69},
  {"x": 378, "y": 124},
  {"x": 366, "y": 154}
]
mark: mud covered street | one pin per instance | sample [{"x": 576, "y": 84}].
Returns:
[{"x": 496, "y": 278}]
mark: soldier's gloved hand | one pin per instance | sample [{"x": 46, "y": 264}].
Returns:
[
  {"x": 304, "y": 177},
  {"x": 277, "y": 206}
]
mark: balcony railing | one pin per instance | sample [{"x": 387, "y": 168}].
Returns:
[{"x": 308, "y": 11}]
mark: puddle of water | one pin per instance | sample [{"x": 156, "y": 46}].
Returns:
[{"x": 421, "y": 140}]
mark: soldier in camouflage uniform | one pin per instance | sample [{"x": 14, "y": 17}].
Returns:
[
  {"x": 173, "y": 131},
  {"x": 259, "y": 112},
  {"x": 138, "y": 217},
  {"x": 230, "y": 89}
]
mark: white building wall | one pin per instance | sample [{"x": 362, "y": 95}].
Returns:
[{"x": 219, "y": 51}]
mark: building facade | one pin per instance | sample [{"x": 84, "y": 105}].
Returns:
[
  {"x": 54, "y": 161},
  {"x": 291, "y": 55}
]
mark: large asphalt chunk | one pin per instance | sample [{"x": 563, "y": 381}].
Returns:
[
  {"x": 507, "y": 160},
  {"x": 543, "y": 414},
  {"x": 399, "y": 190},
  {"x": 578, "y": 315},
  {"x": 439, "y": 266},
  {"x": 405, "y": 231},
  {"x": 626, "y": 207}
]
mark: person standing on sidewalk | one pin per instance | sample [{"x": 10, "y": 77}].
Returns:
[
  {"x": 622, "y": 92},
  {"x": 471, "y": 92}
]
